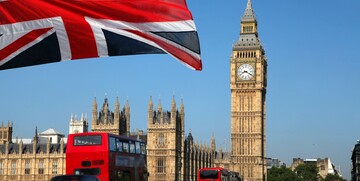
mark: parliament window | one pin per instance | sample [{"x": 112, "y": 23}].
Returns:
[
  {"x": 54, "y": 167},
  {"x": 161, "y": 164},
  {"x": 161, "y": 140},
  {"x": 41, "y": 167},
  {"x": 13, "y": 167},
  {"x": 27, "y": 167}
]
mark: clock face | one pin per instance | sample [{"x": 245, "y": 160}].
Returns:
[{"x": 245, "y": 72}]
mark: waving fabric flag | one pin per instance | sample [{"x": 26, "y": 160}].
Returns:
[{"x": 35, "y": 32}]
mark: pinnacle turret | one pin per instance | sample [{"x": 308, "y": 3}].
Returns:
[
  {"x": 173, "y": 104},
  {"x": 94, "y": 103},
  {"x": 117, "y": 104},
  {"x": 151, "y": 104}
]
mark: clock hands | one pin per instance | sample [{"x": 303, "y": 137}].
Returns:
[{"x": 245, "y": 71}]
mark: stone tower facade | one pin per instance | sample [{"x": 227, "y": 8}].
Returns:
[
  {"x": 196, "y": 156},
  {"x": 248, "y": 78},
  {"x": 117, "y": 122},
  {"x": 165, "y": 142},
  {"x": 6, "y": 133},
  {"x": 78, "y": 125}
]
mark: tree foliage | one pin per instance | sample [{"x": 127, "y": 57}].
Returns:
[
  {"x": 307, "y": 172},
  {"x": 281, "y": 174},
  {"x": 303, "y": 172},
  {"x": 332, "y": 177}
]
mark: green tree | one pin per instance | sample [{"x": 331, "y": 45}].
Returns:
[
  {"x": 307, "y": 172},
  {"x": 281, "y": 174},
  {"x": 332, "y": 177}
]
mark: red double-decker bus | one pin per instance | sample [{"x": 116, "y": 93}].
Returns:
[
  {"x": 109, "y": 157},
  {"x": 217, "y": 174}
]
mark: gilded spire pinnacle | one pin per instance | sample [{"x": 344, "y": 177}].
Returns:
[
  {"x": 249, "y": 5},
  {"x": 248, "y": 30},
  {"x": 249, "y": 13}
]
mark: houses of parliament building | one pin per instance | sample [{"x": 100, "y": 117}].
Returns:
[{"x": 171, "y": 155}]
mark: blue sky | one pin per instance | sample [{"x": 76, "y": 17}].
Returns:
[{"x": 313, "y": 80}]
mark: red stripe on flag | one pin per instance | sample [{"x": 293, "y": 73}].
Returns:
[
  {"x": 21, "y": 42},
  {"x": 81, "y": 38},
  {"x": 139, "y": 11},
  {"x": 181, "y": 55}
]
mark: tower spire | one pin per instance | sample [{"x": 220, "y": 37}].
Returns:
[
  {"x": 213, "y": 145},
  {"x": 150, "y": 104},
  {"x": 248, "y": 31},
  {"x": 94, "y": 104},
  {"x": 249, "y": 13},
  {"x": 173, "y": 104},
  {"x": 94, "y": 115},
  {"x": 36, "y": 138},
  {"x": 117, "y": 104}
]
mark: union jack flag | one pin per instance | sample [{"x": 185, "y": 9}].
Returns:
[{"x": 34, "y": 32}]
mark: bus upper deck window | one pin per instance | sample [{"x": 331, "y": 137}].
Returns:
[
  {"x": 143, "y": 148},
  {"x": 87, "y": 140},
  {"x": 137, "y": 145},
  {"x": 112, "y": 144},
  {"x": 132, "y": 147},
  {"x": 119, "y": 145},
  {"x": 125, "y": 147}
]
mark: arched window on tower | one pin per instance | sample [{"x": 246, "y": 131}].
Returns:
[
  {"x": 161, "y": 140},
  {"x": 161, "y": 164}
]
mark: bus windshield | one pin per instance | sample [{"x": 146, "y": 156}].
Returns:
[
  {"x": 87, "y": 140},
  {"x": 209, "y": 174}
]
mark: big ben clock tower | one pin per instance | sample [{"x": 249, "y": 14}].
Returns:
[{"x": 248, "y": 67}]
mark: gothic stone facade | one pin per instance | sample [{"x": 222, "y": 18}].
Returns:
[
  {"x": 248, "y": 71},
  {"x": 170, "y": 157},
  {"x": 78, "y": 125},
  {"x": 197, "y": 156},
  {"x": 117, "y": 122},
  {"x": 31, "y": 162},
  {"x": 165, "y": 142},
  {"x": 6, "y": 133}
]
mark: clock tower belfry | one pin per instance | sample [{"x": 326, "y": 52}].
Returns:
[{"x": 248, "y": 78}]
